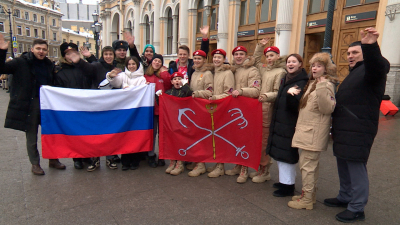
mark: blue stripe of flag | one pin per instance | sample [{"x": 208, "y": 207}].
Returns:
[{"x": 96, "y": 123}]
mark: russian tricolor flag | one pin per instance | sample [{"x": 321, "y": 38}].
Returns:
[{"x": 80, "y": 123}]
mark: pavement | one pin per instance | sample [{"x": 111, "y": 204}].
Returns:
[{"x": 149, "y": 196}]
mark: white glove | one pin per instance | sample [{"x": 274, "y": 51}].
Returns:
[
  {"x": 159, "y": 92},
  {"x": 184, "y": 81}
]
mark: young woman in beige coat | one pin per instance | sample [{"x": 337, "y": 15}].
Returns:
[
  {"x": 313, "y": 126},
  {"x": 271, "y": 76},
  {"x": 247, "y": 84},
  {"x": 202, "y": 85},
  {"x": 224, "y": 82}
]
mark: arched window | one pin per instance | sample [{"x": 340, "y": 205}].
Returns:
[
  {"x": 200, "y": 15},
  {"x": 214, "y": 15},
  {"x": 268, "y": 10},
  {"x": 170, "y": 25},
  {"x": 147, "y": 22}
]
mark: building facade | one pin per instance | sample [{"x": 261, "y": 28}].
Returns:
[
  {"x": 77, "y": 15},
  {"x": 30, "y": 20},
  {"x": 295, "y": 26}
]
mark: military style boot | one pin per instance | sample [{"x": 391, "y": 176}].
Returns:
[
  {"x": 218, "y": 171},
  {"x": 244, "y": 174},
  {"x": 179, "y": 168},
  {"x": 234, "y": 171},
  {"x": 262, "y": 174},
  {"x": 305, "y": 202},
  {"x": 171, "y": 166},
  {"x": 210, "y": 169},
  {"x": 199, "y": 169},
  {"x": 314, "y": 198}
]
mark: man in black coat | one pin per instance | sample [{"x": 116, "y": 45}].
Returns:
[
  {"x": 31, "y": 70},
  {"x": 355, "y": 123}
]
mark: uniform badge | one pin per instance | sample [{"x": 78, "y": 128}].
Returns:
[{"x": 256, "y": 83}]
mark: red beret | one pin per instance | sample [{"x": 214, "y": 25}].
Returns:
[
  {"x": 239, "y": 48},
  {"x": 272, "y": 48},
  {"x": 177, "y": 74},
  {"x": 218, "y": 51},
  {"x": 200, "y": 53}
]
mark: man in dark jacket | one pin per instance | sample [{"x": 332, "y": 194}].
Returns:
[
  {"x": 355, "y": 123},
  {"x": 32, "y": 70},
  {"x": 70, "y": 74}
]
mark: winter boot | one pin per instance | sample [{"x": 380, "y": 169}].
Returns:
[
  {"x": 171, "y": 166},
  {"x": 199, "y": 169},
  {"x": 234, "y": 171},
  {"x": 263, "y": 174},
  {"x": 179, "y": 168},
  {"x": 314, "y": 198},
  {"x": 285, "y": 190},
  {"x": 218, "y": 171},
  {"x": 304, "y": 202},
  {"x": 210, "y": 169},
  {"x": 244, "y": 174}
]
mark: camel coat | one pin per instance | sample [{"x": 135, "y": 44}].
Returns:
[
  {"x": 247, "y": 78},
  {"x": 224, "y": 82},
  {"x": 202, "y": 81}
]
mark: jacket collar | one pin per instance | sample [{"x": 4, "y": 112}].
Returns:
[
  {"x": 301, "y": 76},
  {"x": 357, "y": 65}
]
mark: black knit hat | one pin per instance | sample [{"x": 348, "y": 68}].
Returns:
[
  {"x": 65, "y": 47},
  {"x": 120, "y": 44},
  {"x": 157, "y": 56}
]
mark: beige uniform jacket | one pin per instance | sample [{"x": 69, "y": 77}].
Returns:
[
  {"x": 314, "y": 121},
  {"x": 202, "y": 81},
  {"x": 224, "y": 82},
  {"x": 271, "y": 76},
  {"x": 247, "y": 78}
]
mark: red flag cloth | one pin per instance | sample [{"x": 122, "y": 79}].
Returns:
[{"x": 228, "y": 130}]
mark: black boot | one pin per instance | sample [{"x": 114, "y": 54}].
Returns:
[
  {"x": 152, "y": 161},
  {"x": 161, "y": 162},
  {"x": 278, "y": 185},
  {"x": 285, "y": 190}
]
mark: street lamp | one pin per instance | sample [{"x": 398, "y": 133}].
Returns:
[
  {"x": 9, "y": 12},
  {"x": 96, "y": 28},
  {"x": 328, "y": 28}
]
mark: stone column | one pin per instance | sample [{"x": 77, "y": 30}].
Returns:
[
  {"x": 184, "y": 23},
  {"x": 164, "y": 25},
  {"x": 390, "y": 47},
  {"x": 192, "y": 44},
  {"x": 136, "y": 22},
  {"x": 284, "y": 25},
  {"x": 156, "y": 26},
  {"x": 223, "y": 19},
  {"x": 175, "y": 34},
  {"x": 142, "y": 41}
]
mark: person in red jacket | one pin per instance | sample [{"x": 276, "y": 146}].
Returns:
[{"x": 158, "y": 74}]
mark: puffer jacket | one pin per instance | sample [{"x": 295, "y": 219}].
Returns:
[
  {"x": 247, "y": 78},
  {"x": 271, "y": 76},
  {"x": 224, "y": 82},
  {"x": 202, "y": 81},
  {"x": 284, "y": 119},
  {"x": 314, "y": 121},
  {"x": 127, "y": 78},
  {"x": 71, "y": 75}
]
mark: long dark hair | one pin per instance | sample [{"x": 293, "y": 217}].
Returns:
[{"x": 134, "y": 59}]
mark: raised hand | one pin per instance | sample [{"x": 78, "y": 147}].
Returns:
[
  {"x": 204, "y": 31},
  {"x": 3, "y": 43},
  {"x": 369, "y": 35},
  {"x": 265, "y": 41},
  {"x": 113, "y": 73},
  {"x": 129, "y": 38},
  {"x": 72, "y": 56},
  {"x": 295, "y": 90},
  {"x": 85, "y": 51}
]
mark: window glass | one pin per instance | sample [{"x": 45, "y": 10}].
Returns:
[
  {"x": 35, "y": 17},
  {"x": 42, "y": 19},
  {"x": 213, "y": 19},
  {"x": 43, "y": 34},
  {"x": 243, "y": 12},
  {"x": 199, "y": 20},
  {"x": 28, "y": 31},
  {"x": 273, "y": 10},
  {"x": 55, "y": 36},
  {"x": 369, "y": 1},
  {"x": 19, "y": 30},
  {"x": 252, "y": 12},
  {"x": 352, "y": 2},
  {"x": 35, "y": 31},
  {"x": 26, "y": 15},
  {"x": 1, "y": 27},
  {"x": 54, "y": 22},
  {"x": 205, "y": 19},
  {"x": 315, "y": 6},
  {"x": 327, "y": 4},
  {"x": 215, "y": 2},
  {"x": 200, "y": 5},
  {"x": 264, "y": 10}
]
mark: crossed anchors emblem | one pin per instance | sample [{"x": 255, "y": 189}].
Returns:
[{"x": 236, "y": 115}]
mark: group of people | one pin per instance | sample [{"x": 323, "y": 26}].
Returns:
[{"x": 298, "y": 109}]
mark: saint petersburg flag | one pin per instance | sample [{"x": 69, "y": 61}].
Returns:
[{"x": 80, "y": 123}]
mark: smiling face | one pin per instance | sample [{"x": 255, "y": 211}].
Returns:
[
  {"x": 156, "y": 63},
  {"x": 271, "y": 57},
  {"x": 132, "y": 66},
  {"x": 148, "y": 53},
  {"x": 292, "y": 64},
  {"x": 354, "y": 55},
  {"x": 120, "y": 53},
  {"x": 108, "y": 57},
  {"x": 218, "y": 60},
  {"x": 40, "y": 51},
  {"x": 239, "y": 57},
  {"x": 317, "y": 69},
  {"x": 183, "y": 56},
  {"x": 198, "y": 61}
]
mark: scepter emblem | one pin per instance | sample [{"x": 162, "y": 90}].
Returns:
[{"x": 211, "y": 108}]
